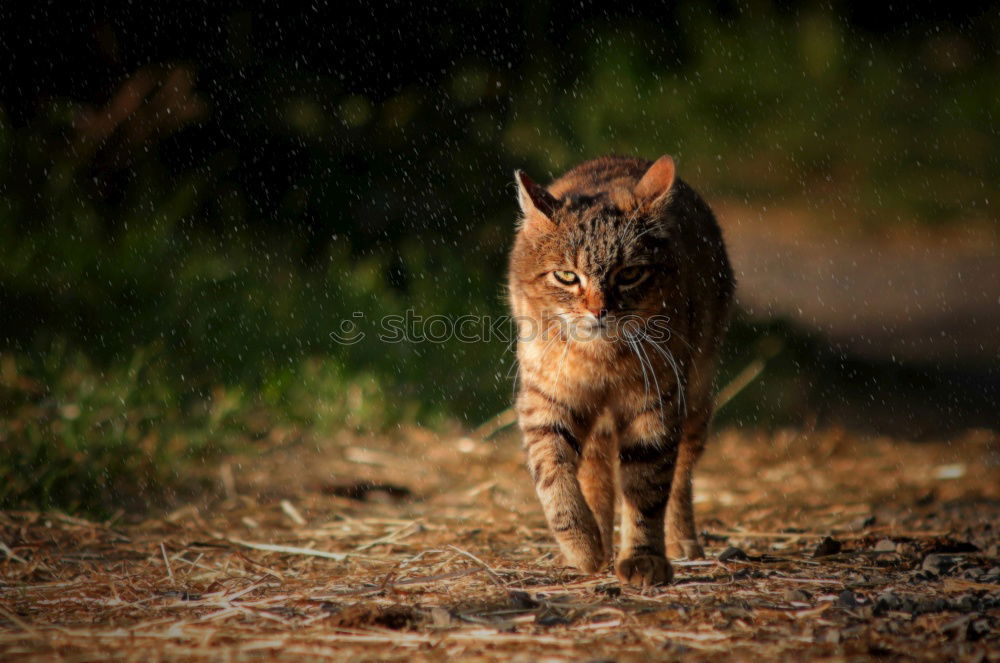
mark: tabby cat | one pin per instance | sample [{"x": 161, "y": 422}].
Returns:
[{"x": 621, "y": 289}]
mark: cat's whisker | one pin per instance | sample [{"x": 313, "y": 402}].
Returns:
[
  {"x": 642, "y": 365},
  {"x": 669, "y": 355},
  {"x": 644, "y": 360},
  {"x": 680, "y": 337},
  {"x": 548, "y": 345},
  {"x": 513, "y": 364},
  {"x": 516, "y": 364},
  {"x": 511, "y": 343},
  {"x": 562, "y": 362},
  {"x": 625, "y": 227},
  {"x": 656, "y": 382},
  {"x": 672, "y": 362},
  {"x": 544, "y": 352},
  {"x": 644, "y": 232}
]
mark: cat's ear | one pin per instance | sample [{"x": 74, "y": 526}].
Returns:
[
  {"x": 654, "y": 187},
  {"x": 533, "y": 197}
]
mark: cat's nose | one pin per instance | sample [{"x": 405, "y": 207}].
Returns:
[{"x": 599, "y": 313}]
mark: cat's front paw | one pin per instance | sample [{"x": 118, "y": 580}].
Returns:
[
  {"x": 685, "y": 548},
  {"x": 644, "y": 570},
  {"x": 584, "y": 551}
]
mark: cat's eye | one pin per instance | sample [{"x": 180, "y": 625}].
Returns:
[
  {"x": 630, "y": 275},
  {"x": 566, "y": 278}
]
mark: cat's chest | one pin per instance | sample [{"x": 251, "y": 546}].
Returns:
[
  {"x": 623, "y": 377},
  {"x": 570, "y": 369}
]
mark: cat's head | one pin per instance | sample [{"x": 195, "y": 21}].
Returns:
[{"x": 595, "y": 261}]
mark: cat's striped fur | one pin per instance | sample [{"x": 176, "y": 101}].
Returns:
[{"x": 621, "y": 287}]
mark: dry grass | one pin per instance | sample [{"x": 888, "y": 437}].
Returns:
[{"x": 432, "y": 548}]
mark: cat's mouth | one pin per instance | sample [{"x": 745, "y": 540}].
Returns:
[{"x": 587, "y": 328}]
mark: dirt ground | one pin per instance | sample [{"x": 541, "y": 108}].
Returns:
[
  {"x": 921, "y": 295},
  {"x": 821, "y": 545}
]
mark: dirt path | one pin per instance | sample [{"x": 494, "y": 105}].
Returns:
[
  {"x": 448, "y": 558},
  {"x": 922, "y": 297}
]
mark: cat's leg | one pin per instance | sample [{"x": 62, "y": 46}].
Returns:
[
  {"x": 597, "y": 478},
  {"x": 552, "y": 431},
  {"x": 682, "y": 537},
  {"x": 647, "y": 454}
]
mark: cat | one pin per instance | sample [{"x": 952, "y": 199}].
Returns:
[{"x": 621, "y": 289}]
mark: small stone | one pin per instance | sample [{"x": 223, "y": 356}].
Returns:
[
  {"x": 966, "y": 603},
  {"x": 847, "y": 599},
  {"x": 885, "y": 546},
  {"x": 441, "y": 616},
  {"x": 732, "y": 553},
  {"x": 862, "y": 523},
  {"x": 886, "y": 602},
  {"x": 938, "y": 564},
  {"x": 935, "y": 605},
  {"x": 610, "y": 590},
  {"x": 736, "y": 613},
  {"x": 522, "y": 600},
  {"x": 890, "y": 598},
  {"x": 977, "y": 629},
  {"x": 797, "y": 596},
  {"x": 827, "y": 546}
]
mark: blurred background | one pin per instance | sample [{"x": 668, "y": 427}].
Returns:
[{"x": 193, "y": 197}]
